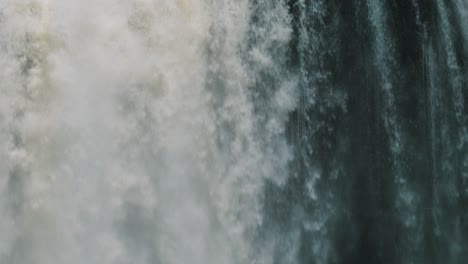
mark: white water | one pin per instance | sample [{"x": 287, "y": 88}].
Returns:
[{"x": 114, "y": 149}]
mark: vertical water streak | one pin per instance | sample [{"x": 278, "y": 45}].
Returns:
[
  {"x": 384, "y": 100},
  {"x": 27, "y": 131},
  {"x": 251, "y": 95},
  {"x": 384, "y": 51},
  {"x": 314, "y": 131},
  {"x": 273, "y": 92},
  {"x": 448, "y": 186}
]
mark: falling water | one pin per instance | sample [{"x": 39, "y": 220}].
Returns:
[{"x": 233, "y": 131}]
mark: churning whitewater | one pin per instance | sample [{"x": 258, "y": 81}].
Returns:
[
  {"x": 128, "y": 134},
  {"x": 233, "y": 131}
]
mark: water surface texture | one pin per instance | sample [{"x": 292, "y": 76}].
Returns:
[{"x": 233, "y": 131}]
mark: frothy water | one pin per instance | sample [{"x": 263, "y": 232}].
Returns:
[
  {"x": 129, "y": 133},
  {"x": 233, "y": 131}
]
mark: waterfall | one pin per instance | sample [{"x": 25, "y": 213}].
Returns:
[{"x": 233, "y": 131}]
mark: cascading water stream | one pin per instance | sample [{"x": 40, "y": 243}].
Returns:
[{"x": 233, "y": 131}]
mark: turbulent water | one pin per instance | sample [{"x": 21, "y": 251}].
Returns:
[{"x": 233, "y": 131}]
